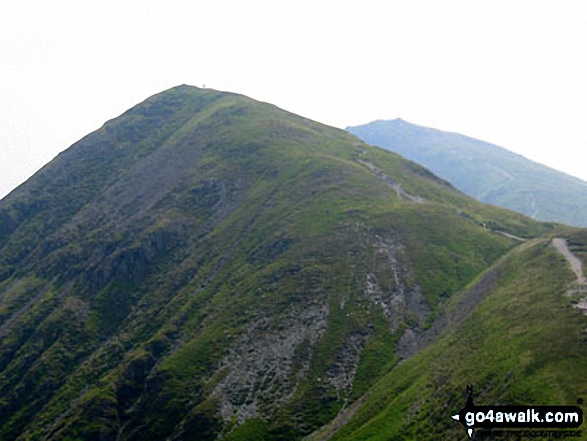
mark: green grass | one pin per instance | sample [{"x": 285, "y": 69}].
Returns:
[
  {"x": 522, "y": 345},
  {"x": 197, "y": 219},
  {"x": 487, "y": 172}
]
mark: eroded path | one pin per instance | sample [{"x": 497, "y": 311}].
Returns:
[
  {"x": 576, "y": 264},
  {"x": 577, "y": 267},
  {"x": 401, "y": 193}
]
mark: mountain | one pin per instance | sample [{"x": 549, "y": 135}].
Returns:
[
  {"x": 206, "y": 266},
  {"x": 485, "y": 171}
]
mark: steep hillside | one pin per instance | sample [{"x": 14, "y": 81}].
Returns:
[
  {"x": 524, "y": 343},
  {"x": 207, "y": 266},
  {"x": 485, "y": 171}
]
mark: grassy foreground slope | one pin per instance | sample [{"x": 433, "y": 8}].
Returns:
[
  {"x": 206, "y": 266},
  {"x": 525, "y": 344},
  {"x": 485, "y": 171}
]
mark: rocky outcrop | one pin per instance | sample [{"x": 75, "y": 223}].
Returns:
[
  {"x": 403, "y": 303},
  {"x": 267, "y": 362}
]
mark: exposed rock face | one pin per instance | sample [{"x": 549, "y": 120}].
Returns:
[
  {"x": 404, "y": 302},
  {"x": 268, "y": 361},
  {"x": 341, "y": 374}
]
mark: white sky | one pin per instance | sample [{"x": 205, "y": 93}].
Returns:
[{"x": 509, "y": 72}]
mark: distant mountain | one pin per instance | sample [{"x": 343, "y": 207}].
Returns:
[
  {"x": 485, "y": 171},
  {"x": 206, "y": 266}
]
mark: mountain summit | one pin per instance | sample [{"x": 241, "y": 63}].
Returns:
[
  {"x": 485, "y": 171},
  {"x": 205, "y": 266}
]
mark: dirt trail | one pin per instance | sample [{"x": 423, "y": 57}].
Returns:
[
  {"x": 395, "y": 185},
  {"x": 576, "y": 264},
  {"x": 511, "y": 236},
  {"x": 379, "y": 174}
]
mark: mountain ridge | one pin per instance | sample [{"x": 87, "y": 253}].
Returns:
[
  {"x": 279, "y": 274},
  {"x": 485, "y": 171},
  {"x": 406, "y": 123}
]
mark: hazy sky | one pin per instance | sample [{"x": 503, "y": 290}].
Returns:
[{"x": 509, "y": 72}]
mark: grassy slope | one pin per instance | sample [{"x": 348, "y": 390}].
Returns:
[
  {"x": 124, "y": 289},
  {"x": 523, "y": 344},
  {"x": 487, "y": 172}
]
